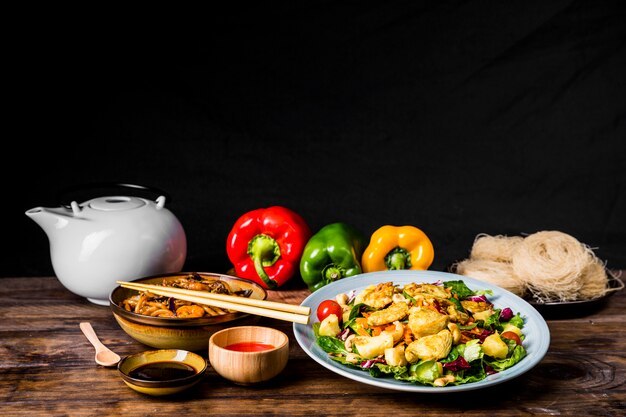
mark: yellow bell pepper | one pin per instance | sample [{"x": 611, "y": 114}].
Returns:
[{"x": 398, "y": 247}]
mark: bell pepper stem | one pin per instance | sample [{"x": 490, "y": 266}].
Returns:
[
  {"x": 264, "y": 252},
  {"x": 332, "y": 273},
  {"x": 398, "y": 258}
]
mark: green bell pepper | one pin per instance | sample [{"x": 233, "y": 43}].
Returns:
[{"x": 333, "y": 253}]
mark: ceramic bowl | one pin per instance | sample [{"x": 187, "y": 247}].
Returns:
[
  {"x": 175, "y": 371},
  {"x": 179, "y": 333},
  {"x": 247, "y": 367}
]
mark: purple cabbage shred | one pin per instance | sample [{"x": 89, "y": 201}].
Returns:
[
  {"x": 483, "y": 335},
  {"x": 490, "y": 370},
  {"x": 479, "y": 298},
  {"x": 351, "y": 296},
  {"x": 438, "y": 307},
  {"x": 459, "y": 364},
  {"x": 506, "y": 314},
  {"x": 370, "y": 362},
  {"x": 344, "y": 334}
]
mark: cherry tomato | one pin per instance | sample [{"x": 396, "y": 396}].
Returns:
[
  {"x": 328, "y": 307},
  {"x": 512, "y": 336}
]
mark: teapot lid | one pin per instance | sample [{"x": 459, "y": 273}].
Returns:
[{"x": 116, "y": 203}]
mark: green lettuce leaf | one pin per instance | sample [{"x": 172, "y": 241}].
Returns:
[
  {"x": 459, "y": 288},
  {"x": 331, "y": 344},
  {"x": 501, "y": 364}
]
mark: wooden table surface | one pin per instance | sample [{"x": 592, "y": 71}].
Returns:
[{"x": 47, "y": 369}]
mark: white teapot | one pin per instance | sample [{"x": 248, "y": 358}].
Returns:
[{"x": 106, "y": 239}]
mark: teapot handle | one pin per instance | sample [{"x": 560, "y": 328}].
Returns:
[{"x": 90, "y": 188}]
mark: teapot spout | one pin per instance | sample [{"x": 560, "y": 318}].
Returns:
[{"x": 49, "y": 219}]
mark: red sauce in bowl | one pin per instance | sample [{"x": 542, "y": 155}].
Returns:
[{"x": 249, "y": 346}]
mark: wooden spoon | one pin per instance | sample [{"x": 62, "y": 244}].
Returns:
[{"x": 104, "y": 355}]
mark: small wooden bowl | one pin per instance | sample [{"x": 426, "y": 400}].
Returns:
[{"x": 247, "y": 368}]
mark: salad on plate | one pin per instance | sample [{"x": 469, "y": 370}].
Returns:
[{"x": 432, "y": 334}]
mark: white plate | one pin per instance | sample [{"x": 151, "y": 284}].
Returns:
[{"x": 535, "y": 329}]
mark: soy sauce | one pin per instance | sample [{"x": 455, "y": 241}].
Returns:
[{"x": 162, "y": 371}]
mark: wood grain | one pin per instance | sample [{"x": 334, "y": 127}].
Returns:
[{"x": 47, "y": 368}]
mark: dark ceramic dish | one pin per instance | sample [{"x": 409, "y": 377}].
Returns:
[
  {"x": 163, "y": 386},
  {"x": 579, "y": 308}
]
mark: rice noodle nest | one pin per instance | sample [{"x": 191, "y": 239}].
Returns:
[
  {"x": 552, "y": 264},
  {"x": 594, "y": 281},
  {"x": 549, "y": 265},
  {"x": 497, "y": 248},
  {"x": 493, "y": 272}
]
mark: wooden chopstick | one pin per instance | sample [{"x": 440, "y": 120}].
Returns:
[
  {"x": 223, "y": 297},
  {"x": 272, "y": 309}
]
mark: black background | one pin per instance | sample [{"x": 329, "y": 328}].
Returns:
[{"x": 457, "y": 117}]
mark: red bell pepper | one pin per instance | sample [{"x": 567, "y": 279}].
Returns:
[{"x": 265, "y": 245}]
